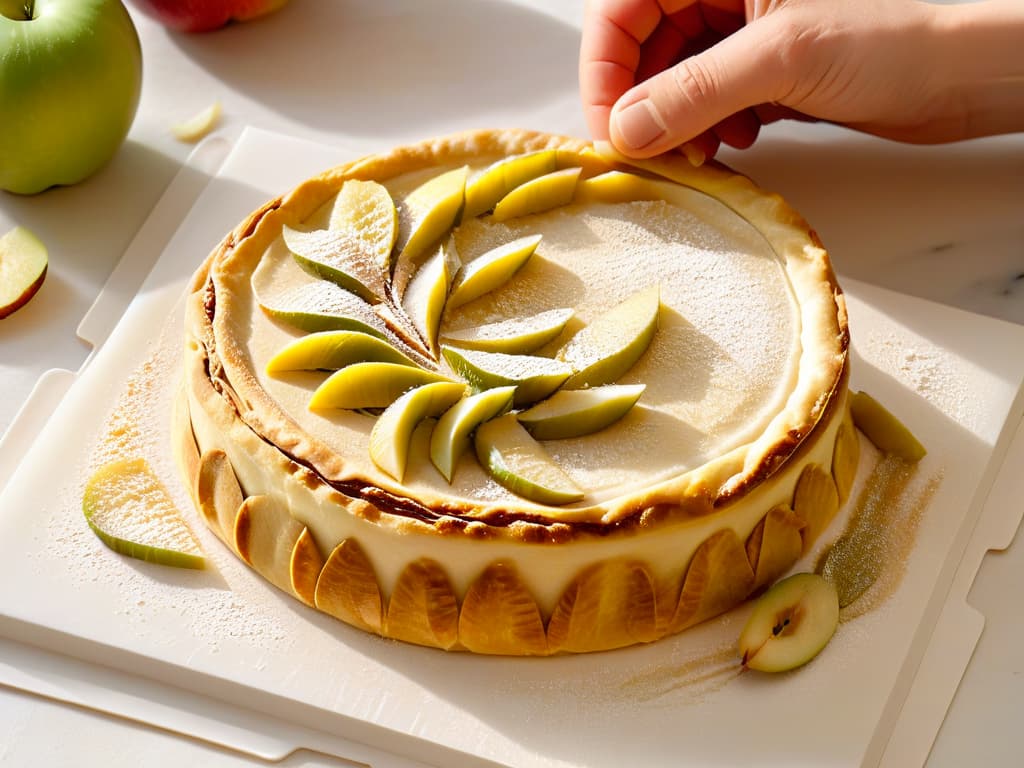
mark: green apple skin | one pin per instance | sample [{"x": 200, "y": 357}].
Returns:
[{"x": 70, "y": 78}]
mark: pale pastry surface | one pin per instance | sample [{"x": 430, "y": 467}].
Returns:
[{"x": 726, "y": 374}]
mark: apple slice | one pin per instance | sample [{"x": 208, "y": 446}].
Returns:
[
  {"x": 425, "y": 297},
  {"x": 579, "y": 412},
  {"x": 609, "y": 346},
  {"x": 491, "y": 270},
  {"x": 370, "y": 385},
  {"x": 538, "y": 195},
  {"x": 130, "y": 511},
  {"x": 196, "y": 127},
  {"x": 790, "y": 624},
  {"x": 392, "y": 433},
  {"x": 341, "y": 257},
  {"x": 520, "y": 464},
  {"x": 429, "y": 211},
  {"x": 319, "y": 306},
  {"x": 365, "y": 210},
  {"x": 450, "y": 438},
  {"x": 515, "y": 336},
  {"x": 486, "y": 188},
  {"x": 615, "y": 187},
  {"x": 23, "y": 263},
  {"x": 332, "y": 350},
  {"x": 883, "y": 429},
  {"x": 533, "y": 377}
]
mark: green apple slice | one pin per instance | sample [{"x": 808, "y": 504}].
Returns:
[
  {"x": 515, "y": 336},
  {"x": 332, "y": 350},
  {"x": 365, "y": 210},
  {"x": 579, "y": 412},
  {"x": 339, "y": 257},
  {"x": 609, "y": 346},
  {"x": 288, "y": 294},
  {"x": 450, "y": 437},
  {"x": 538, "y": 195},
  {"x": 490, "y": 185},
  {"x": 131, "y": 512},
  {"x": 392, "y": 433},
  {"x": 370, "y": 385},
  {"x": 322, "y": 306},
  {"x": 883, "y": 429},
  {"x": 616, "y": 187},
  {"x": 429, "y": 211},
  {"x": 424, "y": 299},
  {"x": 23, "y": 265},
  {"x": 491, "y": 270},
  {"x": 790, "y": 624},
  {"x": 533, "y": 377},
  {"x": 520, "y": 464}
]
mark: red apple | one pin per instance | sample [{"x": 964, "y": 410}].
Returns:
[{"x": 206, "y": 15}]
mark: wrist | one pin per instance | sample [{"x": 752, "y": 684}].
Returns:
[{"x": 982, "y": 65}]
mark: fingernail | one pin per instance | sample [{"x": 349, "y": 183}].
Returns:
[{"x": 639, "y": 124}]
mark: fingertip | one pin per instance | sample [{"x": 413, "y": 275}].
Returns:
[{"x": 636, "y": 127}]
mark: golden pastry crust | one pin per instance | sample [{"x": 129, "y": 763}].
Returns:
[{"x": 454, "y": 575}]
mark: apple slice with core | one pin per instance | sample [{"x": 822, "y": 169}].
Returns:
[
  {"x": 199, "y": 125},
  {"x": 609, "y": 346},
  {"x": 486, "y": 188},
  {"x": 130, "y": 511},
  {"x": 391, "y": 434},
  {"x": 533, "y": 377},
  {"x": 491, "y": 270},
  {"x": 538, "y": 195},
  {"x": 339, "y": 257},
  {"x": 790, "y": 624},
  {"x": 519, "y": 463},
  {"x": 365, "y": 210},
  {"x": 450, "y": 438},
  {"x": 23, "y": 264},
  {"x": 515, "y": 336},
  {"x": 370, "y": 385},
  {"x": 883, "y": 429},
  {"x": 425, "y": 297},
  {"x": 579, "y": 412},
  {"x": 429, "y": 211},
  {"x": 333, "y": 350}
]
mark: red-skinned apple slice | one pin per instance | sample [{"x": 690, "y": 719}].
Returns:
[{"x": 23, "y": 263}]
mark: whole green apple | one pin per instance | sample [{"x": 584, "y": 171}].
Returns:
[{"x": 70, "y": 76}]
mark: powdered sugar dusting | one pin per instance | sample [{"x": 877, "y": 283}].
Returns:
[{"x": 226, "y": 604}]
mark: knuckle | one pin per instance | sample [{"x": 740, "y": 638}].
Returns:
[{"x": 695, "y": 82}]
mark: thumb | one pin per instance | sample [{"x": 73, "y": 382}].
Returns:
[{"x": 674, "y": 106}]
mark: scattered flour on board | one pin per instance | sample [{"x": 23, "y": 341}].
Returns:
[
  {"x": 943, "y": 379},
  {"x": 223, "y": 605}
]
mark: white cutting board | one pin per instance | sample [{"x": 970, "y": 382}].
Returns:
[{"x": 225, "y": 636}]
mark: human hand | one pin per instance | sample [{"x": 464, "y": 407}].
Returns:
[{"x": 658, "y": 74}]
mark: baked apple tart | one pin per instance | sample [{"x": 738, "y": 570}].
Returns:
[{"x": 502, "y": 392}]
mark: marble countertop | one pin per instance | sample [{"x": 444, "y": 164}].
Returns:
[{"x": 941, "y": 223}]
